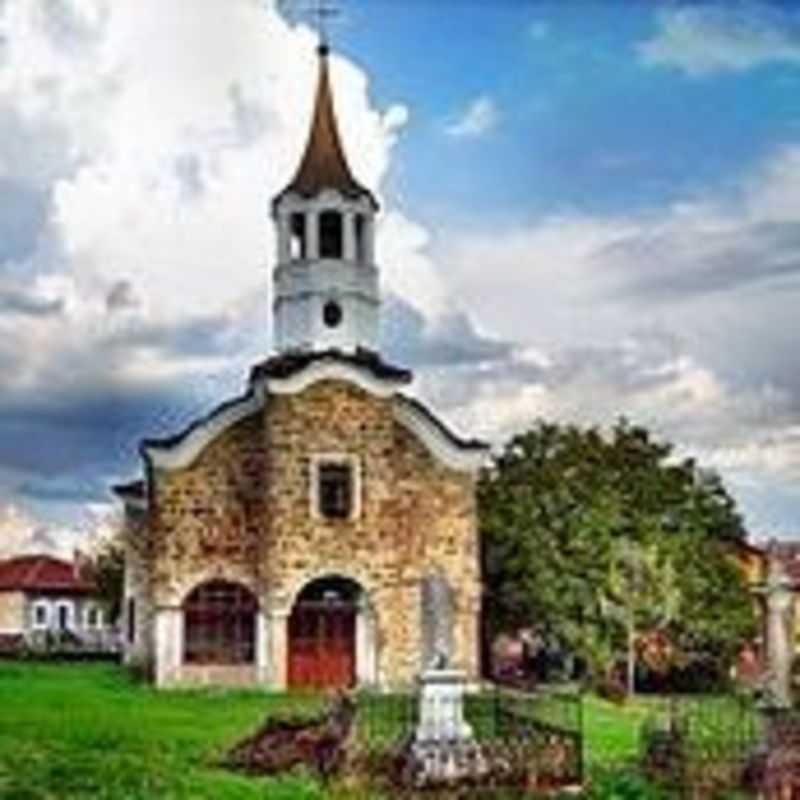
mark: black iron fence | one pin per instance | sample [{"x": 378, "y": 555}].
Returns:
[
  {"x": 703, "y": 747},
  {"x": 542, "y": 730}
]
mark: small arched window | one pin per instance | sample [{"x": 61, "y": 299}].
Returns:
[
  {"x": 297, "y": 237},
  {"x": 361, "y": 229},
  {"x": 330, "y": 234},
  {"x": 220, "y": 624}
]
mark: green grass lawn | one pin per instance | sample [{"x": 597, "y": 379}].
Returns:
[{"x": 90, "y": 731}]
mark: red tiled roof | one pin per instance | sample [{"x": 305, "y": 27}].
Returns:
[{"x": 41, "y": 573}]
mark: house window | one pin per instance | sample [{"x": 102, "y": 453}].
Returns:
[
  {"x": 330, "y": 234},
  {"x": 94, "y": 617},
  {"x": 41, "y": 615},
  {"x": 64, "y": 616},
  {"x": 131, "y": 620}
]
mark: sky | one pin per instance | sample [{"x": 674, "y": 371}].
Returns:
[{"x": 589, "y": 209}]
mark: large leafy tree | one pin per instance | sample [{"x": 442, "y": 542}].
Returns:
[{"x": 599, "y": 538}]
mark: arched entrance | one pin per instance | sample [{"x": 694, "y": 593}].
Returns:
[{"x": 324, "y": 629}]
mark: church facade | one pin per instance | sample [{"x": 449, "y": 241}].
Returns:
[{"x": 284, "y": 539}]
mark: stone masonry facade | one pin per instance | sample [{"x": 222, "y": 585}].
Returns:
[{"x": 242, "y": 511}]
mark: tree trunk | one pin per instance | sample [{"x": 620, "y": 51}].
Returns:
[{"x": 631, "y": 660}]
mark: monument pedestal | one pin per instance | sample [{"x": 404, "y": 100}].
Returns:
[
  {"x": 441, "y": 707},
  {"x": 444, "y": 750}
]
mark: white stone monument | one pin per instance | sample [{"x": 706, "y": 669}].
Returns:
[
  {"x": 444, "y": 747},
  {"x": 778, "y": 592}
]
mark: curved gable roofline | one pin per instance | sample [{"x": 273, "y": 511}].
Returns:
[
  {"x": 464, "y": 455},
  {"x": 279, "y": 377},
  {"x": 179, "y": 451}
]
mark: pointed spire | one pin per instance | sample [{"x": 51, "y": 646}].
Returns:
[{"x": 324, "y": 165}]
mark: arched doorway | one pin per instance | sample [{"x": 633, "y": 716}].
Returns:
[
  {"x": 220, "y": 624},
  {"x": 323, "y": 634}
]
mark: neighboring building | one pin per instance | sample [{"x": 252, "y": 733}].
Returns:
[
  {"x": 283, "y": 539},
  {"x": 40, "y": 594}
]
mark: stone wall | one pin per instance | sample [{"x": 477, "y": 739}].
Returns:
[
  {"x": 137, "y": 587},
  {"x": 12, "y": 612},
  {"x": 416, "y": 517},
  {"x": 207, "y": 519},
  {"x": 242, "y": 511}
]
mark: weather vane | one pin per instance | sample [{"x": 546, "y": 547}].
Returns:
[{"x": 321, "y": 12}]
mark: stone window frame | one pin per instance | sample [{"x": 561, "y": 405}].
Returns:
[{"x": 339, "y": 459}]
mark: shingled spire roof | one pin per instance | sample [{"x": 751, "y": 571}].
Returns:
[{"x": 324, "y": 165}]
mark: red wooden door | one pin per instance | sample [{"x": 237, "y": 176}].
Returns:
[{"x": 322, "y": 646}]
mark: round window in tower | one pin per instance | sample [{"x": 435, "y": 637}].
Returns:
[{"x": 332, "y": 314}]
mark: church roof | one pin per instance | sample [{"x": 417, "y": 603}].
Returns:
[
  {"x": 290, "y": 373},
  {"x": 288, "y": 364},
  {"x": 133, "y": 489},
  {"x": 324, "y": 165},
  {"x": 462, "y": 444}
]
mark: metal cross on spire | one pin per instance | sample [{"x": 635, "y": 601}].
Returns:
[{"x": 320, "y": 12}]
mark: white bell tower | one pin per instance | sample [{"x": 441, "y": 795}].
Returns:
[{"x": 325, "y": 282}]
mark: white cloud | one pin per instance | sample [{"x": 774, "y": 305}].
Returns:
[
  {"x": 479, "y": 118},
  {"x": 683, "y": 318},
  {"x": 22, "y": 534},
  {"x": 157, "y": 134},
  {"x": 706, "y": 39}
]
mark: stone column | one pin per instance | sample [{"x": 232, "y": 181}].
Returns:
[
  {"x": 366, "y": 651},
  {"x": 279, "y": 651},
  {"x": 312, "y": 235},
  {"x": 284, "y": 239},
  {"x": 780, "y": 602},
  {"x": 168, "y": 644},
  {"x": 369, "y": 240},
  {"x": 263, "y": 649},
  {"x": 349, "y": 231}
]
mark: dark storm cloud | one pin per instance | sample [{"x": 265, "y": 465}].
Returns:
[
  {"x": 454, "y": 341},
  {"x": 72, "y": 442}
]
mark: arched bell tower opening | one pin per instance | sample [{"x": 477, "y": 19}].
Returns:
[{"x": 331, "y": 636}]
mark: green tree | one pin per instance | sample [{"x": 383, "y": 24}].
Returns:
[
  {"x": 105, "y": 565},
  {"x": 595, "y": 538}
]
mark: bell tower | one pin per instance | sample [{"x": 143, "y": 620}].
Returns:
[{"x": 325, "y": 283}]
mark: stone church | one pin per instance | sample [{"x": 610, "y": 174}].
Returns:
[{"x": 283, "y": 539}]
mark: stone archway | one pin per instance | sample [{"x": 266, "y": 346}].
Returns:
[{"x": 330, "y": 636}]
